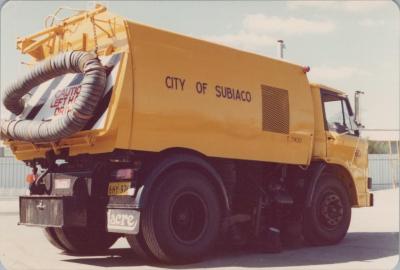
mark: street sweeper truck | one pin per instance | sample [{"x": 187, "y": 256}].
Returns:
[{"x": 176, "y": 143}]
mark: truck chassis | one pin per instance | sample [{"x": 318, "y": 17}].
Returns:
[{"x": 178, "y": 203}]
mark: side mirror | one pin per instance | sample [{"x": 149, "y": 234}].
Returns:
[{"x": 357, "y": 117}]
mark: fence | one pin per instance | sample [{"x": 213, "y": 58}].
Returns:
[
  {"x": 384, "y": 170},
  {"x": 12, "y": 176}
]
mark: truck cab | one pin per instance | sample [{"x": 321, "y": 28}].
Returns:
[{"x": 338, "y": 141}]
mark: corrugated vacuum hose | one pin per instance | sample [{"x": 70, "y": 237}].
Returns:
[{"x": 68, "y": 123}]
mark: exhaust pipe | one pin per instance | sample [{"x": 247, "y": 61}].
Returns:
[{"x": 281, "y": 47}]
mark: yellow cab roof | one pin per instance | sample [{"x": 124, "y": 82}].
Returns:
[{"x": 318, "y": 85}]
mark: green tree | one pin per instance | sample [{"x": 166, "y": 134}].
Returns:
[{"x": 378, "y": 147}]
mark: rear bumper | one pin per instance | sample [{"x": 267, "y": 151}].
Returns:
[
  {"x": 369, "y": 183},
  {"x": 52, "y": 211},
  {"x": 370, "y": 195},
  {"x": 371, "y": 199},
  {"x": 79, "y": 199},
  {"x": 120, "y": 215}
]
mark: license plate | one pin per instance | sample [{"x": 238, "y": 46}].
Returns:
[
  {"x": 123, "y": 221},
  {"x": 118, "y": 188}
]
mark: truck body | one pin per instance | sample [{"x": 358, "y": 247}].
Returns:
[{"x": 251, "y": 136}]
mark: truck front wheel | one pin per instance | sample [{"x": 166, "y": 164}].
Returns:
[
  {"x": 327, "y": 220},
  {"x": 81, "y": 240},
  {"x": 182, "y": 220}
]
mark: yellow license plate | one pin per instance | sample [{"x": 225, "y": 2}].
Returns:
[{"x": 118, "y": 188}]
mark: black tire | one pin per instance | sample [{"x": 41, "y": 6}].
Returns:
[
  {"x": 327, "y": 220},
  {"x": 85, "y": 240},
  {"x": 139, "y": 246},
  {"x": 52, "y": 238},
  {"x": 181, "y": 223}
]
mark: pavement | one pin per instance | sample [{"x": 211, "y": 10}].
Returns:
[{"x": 372, "y": 243}]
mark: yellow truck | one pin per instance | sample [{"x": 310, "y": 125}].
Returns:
[{"x": 174, "y": 143}]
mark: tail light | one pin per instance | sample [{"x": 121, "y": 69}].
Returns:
[
  {"x": 30, "y": 178},
  {"x": 123, "y": 174}
]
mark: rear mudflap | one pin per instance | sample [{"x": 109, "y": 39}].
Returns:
[
  {"x": 123, "y": 220},
  {"x": 123, "y": 215}
]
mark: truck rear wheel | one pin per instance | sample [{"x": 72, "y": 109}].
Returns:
[
  {"x": 52, "y": 238},
  {"x": 327, "y": 220},
  {"x": 81, "y": 240},
  {"x": 182, "y": 220},
  {"x": 139, "y": 246}
]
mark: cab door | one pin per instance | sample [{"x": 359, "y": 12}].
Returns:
[
  {"x": 341, "y": 138},
  {"x": 343, "y": 144}
]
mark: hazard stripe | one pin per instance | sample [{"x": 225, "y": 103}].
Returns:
[
  {"x": 77, "y": 79},
  {"x": 102, "y": 107},
  {"x": 35, "y": 110},
  {"x": 100, "y": 110}
]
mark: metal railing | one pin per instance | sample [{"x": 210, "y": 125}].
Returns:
[
  {"x": 384, "y": 170},
  {"x": 12, "y": 176}
]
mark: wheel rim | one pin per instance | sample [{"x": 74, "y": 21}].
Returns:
[
  {"x": 188, "y": 218},
  {"x": 331, "y": 210}
]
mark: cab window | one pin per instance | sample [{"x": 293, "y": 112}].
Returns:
[{"x": 338, "y": 116}]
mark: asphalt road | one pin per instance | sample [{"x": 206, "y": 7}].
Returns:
[{"x": 372, "y": 243}]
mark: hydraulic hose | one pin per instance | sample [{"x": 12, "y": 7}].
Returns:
[{"x": 68, "y": 123}]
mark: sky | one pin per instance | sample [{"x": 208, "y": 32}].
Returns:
[{"x": 349, "y": 45}]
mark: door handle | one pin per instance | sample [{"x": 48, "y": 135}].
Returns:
[{"x": 331, "y": 138}]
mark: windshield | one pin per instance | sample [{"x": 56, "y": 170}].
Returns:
[{"x": 338, "y": 114}]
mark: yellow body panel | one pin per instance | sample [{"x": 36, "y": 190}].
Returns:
[{"x": 192, "y": 118}]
